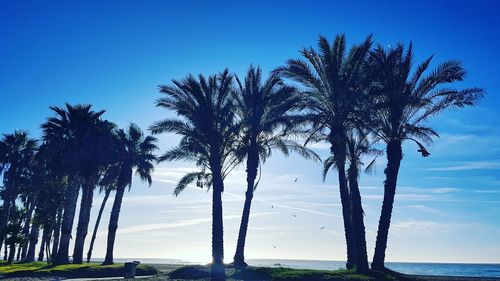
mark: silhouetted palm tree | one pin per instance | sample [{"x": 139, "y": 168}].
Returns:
[
  {"x": 18, "y": 150},
  {"x": 404, "y": 100},
  {"x": 47, "y": 189},
  {"x": 13, "y": 232},
  {"x": 100, "y": 154},
  {"x": 265, "y": 110},
  {"x": 107, "y": 192},
  {"x": 71, "y": 136},
  {"x": 208, "y": 133},
  {"x": 357, "y": 146},
  {"x": 134, "y": 152},
  {"x": 333, "y": 81}
]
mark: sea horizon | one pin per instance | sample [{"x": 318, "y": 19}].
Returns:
[{"x": 468, "y": 269}]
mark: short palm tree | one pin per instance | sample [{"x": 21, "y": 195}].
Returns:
[
  {"x": 266, "y": 111},
  {"x": 333, "y": 83},
  {"x": 206, "y": 124},
  {"x": 18, "y": 150},
  {"x": 134, "y": 151},
  {"x": 404, "y": 101}
]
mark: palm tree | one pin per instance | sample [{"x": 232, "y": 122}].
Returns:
[
  {"x": 404, "y": 101},
  {"x": 99, "y": 156},
  {"x": 14, "y": 232},
  {"x": 107, "y": 192},
  {"x": 18, "y": 150},
  {"x": 46, "y": 190},
  {"x": 358, "y": 145},
  {"x": 265, "y": 111},
  {"x": 70, "y": 137},
  {"x": 333, "y": 83},
  {"x": 134, "y": 151},
  {"x": 208, "y": 133}
]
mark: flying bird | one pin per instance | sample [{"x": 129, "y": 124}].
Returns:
[
  {"x": 295, "y": 179},
  {"x": 294, "y": 215},
  {"x": 323, "y": 227},
  {"x": 274, "y": 246}
]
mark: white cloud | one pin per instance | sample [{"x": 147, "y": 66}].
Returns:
[
  {"x": 180, "y": 223},
  {"x": 465, "y": 166},
  {"x": 424, "y": 208}
]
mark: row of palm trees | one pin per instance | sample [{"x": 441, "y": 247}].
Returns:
[
  {"x": 42, "y": 179},
  {"x": 362, "y": 102}
]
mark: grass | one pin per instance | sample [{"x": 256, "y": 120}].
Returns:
[
  {"x": 194, "y": 272},
  {"x": 87, "y": 270}
]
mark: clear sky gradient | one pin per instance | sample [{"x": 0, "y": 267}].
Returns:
[{"x": 114, "y": 54}]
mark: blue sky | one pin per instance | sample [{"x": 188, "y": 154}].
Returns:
[{"x": 114, "y": 54}]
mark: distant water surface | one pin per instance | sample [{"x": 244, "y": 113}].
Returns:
[{"x": 446, "y": 269}]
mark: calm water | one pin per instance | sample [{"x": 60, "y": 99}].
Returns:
[{"x": 450, "y": 269}]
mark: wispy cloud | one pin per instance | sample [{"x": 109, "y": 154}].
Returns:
[
  {"x": 180, "y": 223},
  {"x": 466, "y": 166},
  {"x": 487, "y": 191},
  {"x": 426, "y": 209},
  {"x": 288, "y": 207}
]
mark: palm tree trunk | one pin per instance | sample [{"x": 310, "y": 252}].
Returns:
[
  {"x": 18, "y": 256},
  {"x": 35, "y": 229},
  {"x": 94, "y": 234},
  {"x": 252, "y": 166},
  {"x": 83, "y": 222},
  {"x": 358, "y": 224},
  {"x": 47, "y": 248},
  {"x": 338, "y": 149},
  {"x": 5, "y": 253},
  {"x": 42, "y": 245},
  {"x": 67, "y": 221},
  {"x": 218, "y": 271},
  {"x": 4, "y": 220},
  {"x": 26, "y": 230},
  {"x": 57, "y": 231},
  {"x": 394, "y": 157},
  {"x": 12, "y": 253},
  {"x": 346, "y": 214},
  {"x": 113, "y": 224}
]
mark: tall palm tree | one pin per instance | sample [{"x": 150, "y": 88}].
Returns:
[
  {"x": 206, "y": 124},
  {"x": 134, "y": 152},
  {"x": 18, "y": 150},
  {"x": 70, "y": 136},
  {"x": 13, "y": 231},
  {"x": 333, "y": 82},
  {"x": 404, "y": 100},
  {"x": 358, "y": 145},
  {"x": 265, "y": 109},
  {"x": 107, "y": 192},
  {"x": 46, "y": 187},
  {"x": 99, "y": 156}
]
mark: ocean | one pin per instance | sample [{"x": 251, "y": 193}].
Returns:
[{"x": 447, "y": 269}]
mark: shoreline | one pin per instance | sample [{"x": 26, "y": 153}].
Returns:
[{"x": 164, "y": 269}]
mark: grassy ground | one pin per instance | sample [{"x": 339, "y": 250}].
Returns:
[
  {"x": 40, "y": 271},
  {"x": 198, "y": 272},
  {"x": 87, "y": 270}
]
